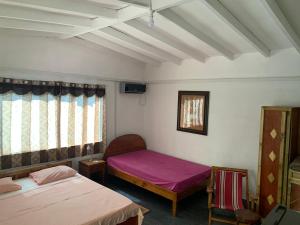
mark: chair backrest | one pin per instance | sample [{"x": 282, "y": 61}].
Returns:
[{"x": 228, "y": 187}]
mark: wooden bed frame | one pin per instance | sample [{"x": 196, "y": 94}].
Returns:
[
  {"x": 133, "y": 142},
  {"x": 18, "y": 173}
]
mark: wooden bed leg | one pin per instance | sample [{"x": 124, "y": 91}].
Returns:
[
  {"x": 209, "y": 216},
  {"x": 174, "y": 207}
]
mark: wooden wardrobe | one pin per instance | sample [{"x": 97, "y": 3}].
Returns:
[{"x": 279, "y": 145}]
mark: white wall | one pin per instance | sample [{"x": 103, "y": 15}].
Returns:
[
  {"x": 234, "y": 111},
  {"x": 282, "y": 63},
  {"x": 38, "y": 58},
  {"x": 233, "y": 126},
  {"x": 129, "y": 113},
  {"x": 71, "y": 56}
]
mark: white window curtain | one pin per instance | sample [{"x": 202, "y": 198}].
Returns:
[{"x": 31, "y": 123}]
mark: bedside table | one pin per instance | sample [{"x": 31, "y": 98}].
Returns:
[{"x": 92, "y": 169}]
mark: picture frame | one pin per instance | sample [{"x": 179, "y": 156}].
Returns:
[{"x": 192, "y": 111}]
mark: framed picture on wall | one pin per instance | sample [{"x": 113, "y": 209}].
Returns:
[{"x": 192, "y": 114}]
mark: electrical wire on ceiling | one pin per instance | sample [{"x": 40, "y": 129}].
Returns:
[{"x": 151, "y": 16}]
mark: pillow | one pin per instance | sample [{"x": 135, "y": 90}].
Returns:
[
  {"x": 52, "y": 174},
  {"x": 8, "y": 185}
]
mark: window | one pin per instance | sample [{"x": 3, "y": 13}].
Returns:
[{"x": 31, "y": 122}]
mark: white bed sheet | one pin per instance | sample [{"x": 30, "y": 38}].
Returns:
[{"x": 72, "y": 201}]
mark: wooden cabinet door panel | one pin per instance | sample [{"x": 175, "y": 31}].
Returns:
[{"x": 271, "y": 159}]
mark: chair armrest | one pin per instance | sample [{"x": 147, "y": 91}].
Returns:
[{"x": 209, "y": 189}]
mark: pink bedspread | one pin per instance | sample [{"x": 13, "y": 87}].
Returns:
[
  {"x": 163, "y": 170},
  {"x": 72, "y": 201}
]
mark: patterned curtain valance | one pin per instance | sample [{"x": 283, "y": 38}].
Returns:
[{"x": 22, "y": 87}]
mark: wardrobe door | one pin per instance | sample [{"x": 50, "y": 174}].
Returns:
[{"x": 272, "y": 149}]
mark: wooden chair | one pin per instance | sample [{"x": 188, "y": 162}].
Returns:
[{"x": 230, "y": 200}]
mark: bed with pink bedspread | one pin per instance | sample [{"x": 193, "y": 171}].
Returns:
[
  {"x": 170, "y": 177},
  {"x": 72, "y": 201},
  {"x": 166, "y": 171}
]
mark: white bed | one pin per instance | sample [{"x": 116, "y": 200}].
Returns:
[{"x": 72, "y": 201}]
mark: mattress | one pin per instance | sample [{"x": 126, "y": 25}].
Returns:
[
  {"x": 168, "y": 172},
  {"x": 72, "y": 201}
]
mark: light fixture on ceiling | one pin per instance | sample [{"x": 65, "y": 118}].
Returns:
[{"x": 151, "y": 16}]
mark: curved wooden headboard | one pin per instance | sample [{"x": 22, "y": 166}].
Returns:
[{"x": 124, "y": 144}]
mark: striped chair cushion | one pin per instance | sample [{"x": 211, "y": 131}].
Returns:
[{"x": 229, "y": 190}]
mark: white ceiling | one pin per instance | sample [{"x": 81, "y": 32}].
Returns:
[
  {"x": 183, "y": 29},
  {"x": 112, "y": 4}
]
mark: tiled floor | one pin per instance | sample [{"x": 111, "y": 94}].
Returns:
[{"x": 191, "y": 211}]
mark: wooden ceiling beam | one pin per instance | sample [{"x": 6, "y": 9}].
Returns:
[
  {"x": 138, "y": 45},
  {"x": 141, "y": 3},
  {"x": 181, "y": 22},
  {"x": 231, "y": 20},
  {"x": 73, "y": 7},
  {"x": 124, "y": 14},
  {"x": 281, "y": 20},
  {"x": 21, "y": 13},
  {"x": 120, "y": 49},
  {"x": 33, "y": 26},
  {"x": 156, "y": 34},
  {"x": 136, "y": 10},
  {"x": 157, "y": 4}
]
